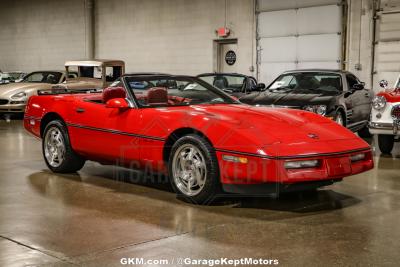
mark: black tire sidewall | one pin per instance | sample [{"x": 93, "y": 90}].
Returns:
[
  {"x": 72, "y": 162},
  {"x": 386, "y": 143},
  {"x": 212, "y": 185}
]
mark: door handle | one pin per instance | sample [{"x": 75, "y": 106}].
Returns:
[
  {"x": 366, "y": 94},
  {"x": 80, "y": 110}
]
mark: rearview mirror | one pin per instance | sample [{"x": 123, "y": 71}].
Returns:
[
  {"x": 119, "y": 103},
  {"x": 259, "y": 87},
  {"x": 384, "y": 84},
  {"x": 358, "y": 86}
]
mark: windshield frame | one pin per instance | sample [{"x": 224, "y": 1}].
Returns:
[
  {"x": 244, "y": 83},
  {"x": 340, "y": 75},
  {"x": 226, "y": 97}
]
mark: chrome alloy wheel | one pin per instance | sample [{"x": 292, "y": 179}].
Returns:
[
  {"x": 189, "y": 170},
  {"x": 339, "y": 119},
  {"x": 54, "y": 147}
]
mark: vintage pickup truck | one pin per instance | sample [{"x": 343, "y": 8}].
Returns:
[{"x": 93, "y": 74}]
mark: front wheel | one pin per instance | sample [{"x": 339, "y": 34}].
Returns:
[
  {"x": 339, "y": 118},
  {"x": 57, "y": 151},
  {"x": 193, "y": 169},
  {"x": 386, "y": 143},
  {"x": 364, "y": 133}
]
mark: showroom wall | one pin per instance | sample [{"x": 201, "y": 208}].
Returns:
[
  {"x": 175, "y": 36},
  {"x": 40, "y": 34}
]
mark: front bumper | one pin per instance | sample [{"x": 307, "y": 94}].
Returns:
[
  {"x": 385, "y": 128},
  {"x": 13, "y": 108},
  {"x": 260, "y": 170}
]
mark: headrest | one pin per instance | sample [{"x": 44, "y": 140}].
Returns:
[
  {"x": 220, "y": 82},
  {"x": 113, "y": 92},
  {"x": 157, "y": 96}
]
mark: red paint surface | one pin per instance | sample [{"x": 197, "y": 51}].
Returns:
[{"x": 240, "y": 128}]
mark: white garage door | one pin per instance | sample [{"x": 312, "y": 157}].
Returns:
[
  {"x": 297, "y": 34},
  {"x": 387, "y": 48}
]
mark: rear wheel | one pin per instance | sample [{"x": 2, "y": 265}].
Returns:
[
  {"x": 57, "y": 151},
  {"x": 193, "y": 169},
  {"x": 386, "y": 143}
]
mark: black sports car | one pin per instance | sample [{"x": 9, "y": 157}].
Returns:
[
  {"x": 233, "y": 83},
  {"x": 336, "y": 94}
]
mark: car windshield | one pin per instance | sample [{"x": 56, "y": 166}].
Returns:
[
  {"x": 43, "y": 77},
  {"x": 234, "y": 83},
  {"x": 161, "y": 91},
  {"x": 308, "y": 82}
]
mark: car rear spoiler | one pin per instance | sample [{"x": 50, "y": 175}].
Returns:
[{"x": 60, "y": 91}]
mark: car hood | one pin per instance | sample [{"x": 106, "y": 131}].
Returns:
[
  {"x": 290, "y": 97},
  {"x": 10, "y": 89},
  {"x": 248, "y": 129}
]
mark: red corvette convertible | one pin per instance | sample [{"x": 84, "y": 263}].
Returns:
[{"x": 205, "y": 141}]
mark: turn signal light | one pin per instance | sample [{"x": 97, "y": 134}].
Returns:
[{"x": 234, "y": 159}]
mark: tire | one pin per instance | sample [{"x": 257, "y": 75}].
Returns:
[
  {"x": 57, "y": 151},
  {"x": 340, "y": 119},
  {"x": 364, "y": 133},
  {"x": 386, "y": 143},
  {"x": 194, "y": 156}
]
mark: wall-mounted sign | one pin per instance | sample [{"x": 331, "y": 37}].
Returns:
[{"x": 230, "y": 57}]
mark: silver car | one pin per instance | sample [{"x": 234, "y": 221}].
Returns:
[{"x": 14, "y": 96}]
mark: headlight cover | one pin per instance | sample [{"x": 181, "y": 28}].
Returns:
[
  {"x": 300, "y": 164},
  {"x": 318, "y": 109},
  {"x": 19, "y": 96},
  {"x": 379, "y": 102}
]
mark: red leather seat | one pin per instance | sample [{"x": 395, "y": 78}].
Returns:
[
  {"x": 113, "y": 92},
  {"x": 157, "y": 96}
]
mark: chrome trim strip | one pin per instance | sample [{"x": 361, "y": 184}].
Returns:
[
  {"x": 380, "y": 125},
  {"x": 114, "y": 132}
]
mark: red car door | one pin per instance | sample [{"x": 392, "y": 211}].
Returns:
[{"x": 105, "y": 134}]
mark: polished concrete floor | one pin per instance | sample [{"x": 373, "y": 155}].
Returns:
[{"x": 105, "y": 213}]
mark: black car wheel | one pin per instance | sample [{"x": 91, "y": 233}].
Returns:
[
  {"x": 386, "y": 143},
  {"x": 364, "y": 133},
  {"x": 57, "y": 151},
  {"x": 339, "y": 118},
  {"x": 193, "y": 169}
]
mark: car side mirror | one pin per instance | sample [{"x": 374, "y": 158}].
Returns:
[
  {"x": 384, "y": 84},
  {"x": 358, "y": 86},
  {"x": 259, "y": 87},
  {"x": 119, "y": 103}
]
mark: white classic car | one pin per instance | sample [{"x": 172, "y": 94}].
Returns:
[{"x": 385, "y": 116}]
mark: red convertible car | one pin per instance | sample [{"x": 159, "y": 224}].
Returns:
[{"x": 203, "y": 139}]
